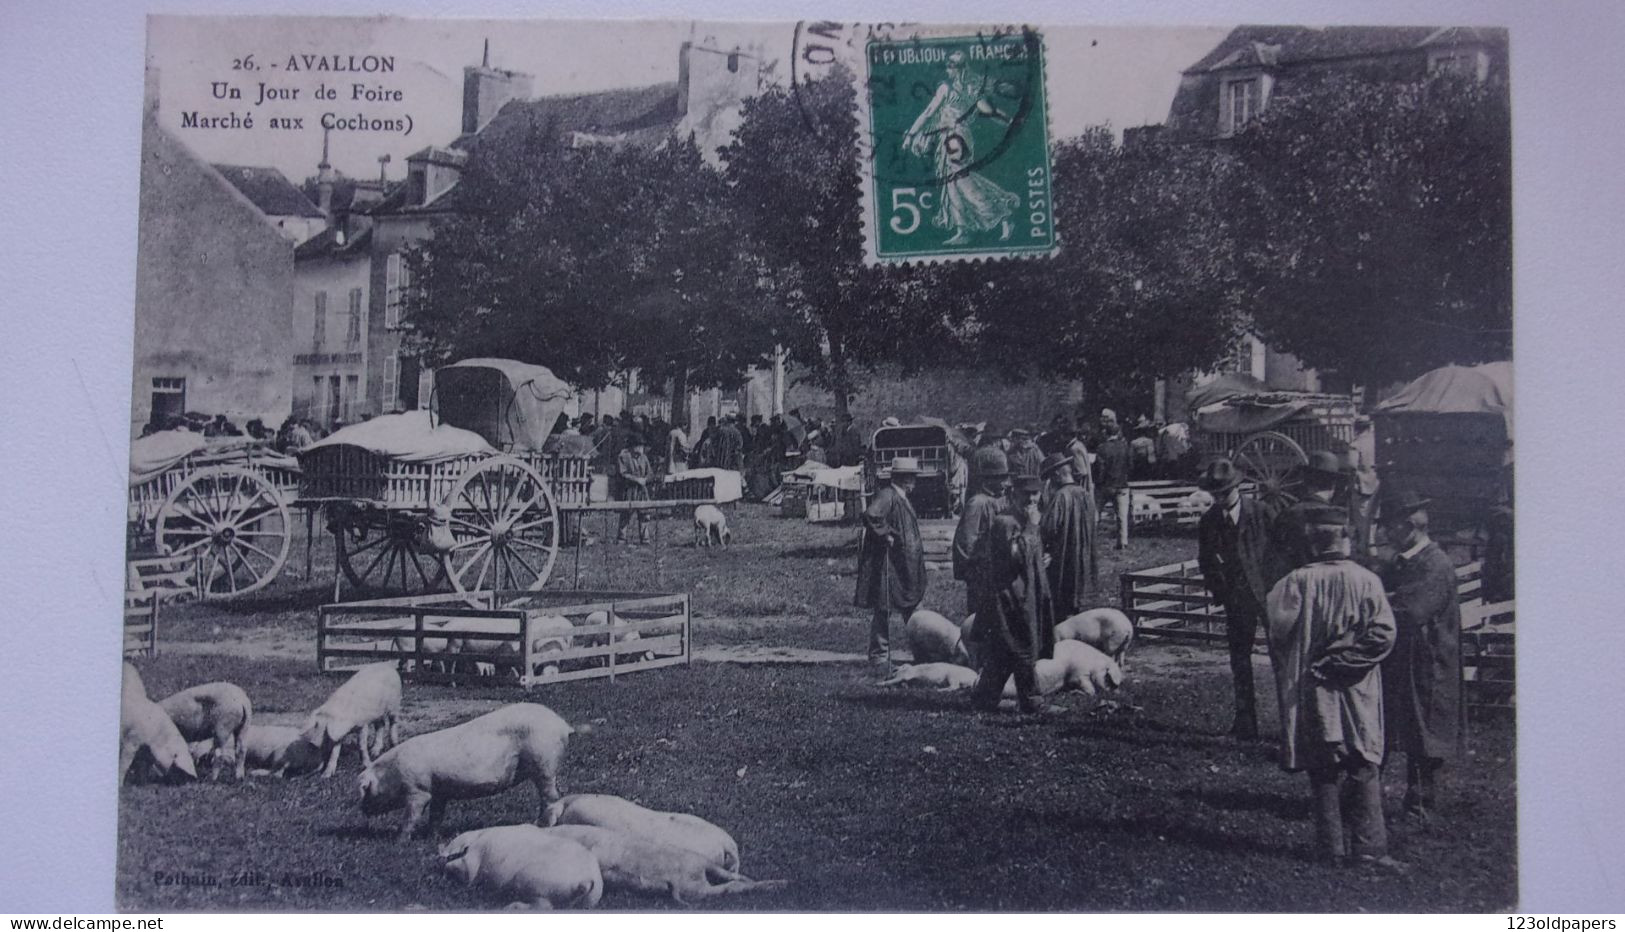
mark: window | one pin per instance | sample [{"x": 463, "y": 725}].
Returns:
[
  {"x": 319, "y": 328},
  {"x": 1240, "y": 100},
  {"x": 397, "y": 282},
  {"x": 392, "y": 376},
  {"x": 168, "y": 399},
  {"x": 425, "y": 386},
  {"x": 733, "y": 62},
  {"x": 330, "y": 411},
  {"x": 1467, "y": 62},
  {"x": 352, "y": 334},
  {"x": 313, "y": 407},
  {"x": 351, "y": 384}
]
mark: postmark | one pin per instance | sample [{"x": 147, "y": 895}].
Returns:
[{"x": 956, "y": 163}]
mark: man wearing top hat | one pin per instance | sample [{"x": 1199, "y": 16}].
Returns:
[
  {"x": 1422, "y": 677},
  {"x": 1233, "y": 550},
  {"x": 891, "y": 558},
  {"x": 1015, "y": 619},
  {"x": 1290, "y": 533},
  {"x": 986, "y": 501},
  {"x": 1068, "y": 532},
  {"x": 636, "y": 474}
]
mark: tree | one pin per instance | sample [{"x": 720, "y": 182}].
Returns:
[
  {"x": 594, "y": 262},
  {"x": 1375, "y": 225}
]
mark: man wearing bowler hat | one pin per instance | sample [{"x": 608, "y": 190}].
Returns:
[
  {"x": 1233, "y": 547},
  {"x": 891, "y": 558},
  {"x": 1290, "y": 533},
  {"x": 1422, "y": 677},
  {"x": 985, "y": 504},
  {"x": 1068, "y": 532}
]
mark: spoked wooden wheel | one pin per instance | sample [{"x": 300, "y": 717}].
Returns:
[
  {"x": 380, "y": 550},
  {"x": 1270, "y": 460},
  {"x": 233, "y": 522},
  {"x": 505, "y": 526}
]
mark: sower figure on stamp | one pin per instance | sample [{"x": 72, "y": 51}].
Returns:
[
  {"x": 1068, "y": 532},
  {"x": 971, "y": 202},
  {"x": 1422, "y": 677},
  {"x": 1015, "y": 621},
  {"x": 1330, "y": 627},
  {"x": 891, "y": 559},
  {"x": 1233, "y": 541},
  {"x": 986, "y": 502}
]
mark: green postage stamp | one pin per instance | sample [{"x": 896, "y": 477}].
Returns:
[{"x": 958, "y": 165}]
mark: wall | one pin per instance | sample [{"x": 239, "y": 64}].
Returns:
[
  {"x": 336, "y": 277},
  {"x": 390, "y": 233},
  {"x": 214, "y": 282}
]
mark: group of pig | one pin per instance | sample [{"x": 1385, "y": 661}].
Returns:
[
  {"x": 1089, "y": 651},
  {"x": 584, "y": 846},
  {"x": 551, "y": 636}
]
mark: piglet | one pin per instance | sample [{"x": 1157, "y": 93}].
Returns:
[
  {"x": 711, "y": 527},
  {"x": 369, "y": 699}
]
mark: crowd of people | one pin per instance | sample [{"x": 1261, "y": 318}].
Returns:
[{"x": 1364, "y": 653}]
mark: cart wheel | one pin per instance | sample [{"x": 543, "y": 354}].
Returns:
[
  {"x": 1269, "y": 459},
  {"x": 506, "y": 528},
  {"x": 233, "y": 521},
  {"x": 378, "y": 551}
]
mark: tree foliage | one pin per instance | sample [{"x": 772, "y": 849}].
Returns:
[{"x": 1375, "y": 225}]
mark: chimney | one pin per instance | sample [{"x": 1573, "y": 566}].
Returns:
[
  {"x": 486, "y": 89},
  {"x": 324, "y": 181}
]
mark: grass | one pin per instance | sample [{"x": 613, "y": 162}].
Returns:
[{"x": 864, "y": 799}]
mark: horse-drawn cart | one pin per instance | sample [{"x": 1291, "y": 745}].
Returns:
[{"x": 1268, "y": 435}]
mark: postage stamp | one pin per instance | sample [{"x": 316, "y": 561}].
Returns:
[{"x": 957, "y": 164}]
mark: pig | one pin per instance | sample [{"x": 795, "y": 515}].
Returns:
[
  {"x": 601, "y": 617},
  {"x": 526, "y": 865},
  {"x": 1077, "y": 667},
  {"x": 1105, "y": 629},
  {"x": 214, "y": 711},
  {"x": 550, "y": 634},
  {"x": 639, "y": 864},
  {"x": 149, "y": 742},
  {"x": 481, "y": 757},
  {"x": 279, "y": 751},
  {"x": 933, "y": 638},
  {"x": 132, "y": 685},
  {"x": 678, "y": 829},
  {"x": 369, "y": 699},
  {"x": 711, "y": 527},
  {"x": 944, "y": 676}
]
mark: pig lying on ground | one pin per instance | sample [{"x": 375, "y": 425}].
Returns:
[
  {"x": 482, "y": 757},
  {"x": 642, "y": 865},
  {"x": 149, "y": 742},
  {"x": 678, "y": 829},
  {"x": 526, "y": 866},
  {"x": 944, "y": 676},
  {"x": 1105, "y": 629},
  {"x": 370, "y": 699},
  {"x": 933, "y": 638},
  {"x": 711, "y": 527},
  {"x": 1076, "y": 666},
  {"x": 214, "y": 711}
]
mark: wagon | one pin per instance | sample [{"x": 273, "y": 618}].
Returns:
[
  {"x": 1268, "y": 435},
  {"x": 457, "y": 496},
  {"x": 219, "y": 504},
  {"x": 941, "y": 482}
]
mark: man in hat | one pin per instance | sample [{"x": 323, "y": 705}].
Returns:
[
  {"x": 1289, "y": 538},
  {"x": 1068, "y": 532},
  {"x": 1330, "y": 627},
  {"x": 1024, "y": 456},
  {"x": 1422, "y": 677},
  {"x": 1111, "y": 459},
  {"x": 891, "y": 558},
  {"x": 636, "y": 474},
  {"x": 1015, "y": 619},
  {"x": 1233, "y": 549},
  {"x": 986, "y": 501}
]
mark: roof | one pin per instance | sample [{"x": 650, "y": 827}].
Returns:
[
  {"x": 269, "y": 190},
  {"x": 327, "y": 245},
  {"x": 1478, "y": 389},
  {"x": 1289, "y": 45},
  {"x": 642, "y": 115}
]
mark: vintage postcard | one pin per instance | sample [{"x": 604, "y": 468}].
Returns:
[{"x": 820, "y": 466}]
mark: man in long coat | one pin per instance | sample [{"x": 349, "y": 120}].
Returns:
[
  {"x": 1233, "y": 550},
  {"x": 1330, "y": 627},
  {"x": 1422, "y": 677},
  {"x": 1015, "y": 620},
  {"x": 984, "y": 505},
  {"x": 891, "y": 559},
  {"x": 1068, "y": 532},
  {"x": 1111, "y": 459}
]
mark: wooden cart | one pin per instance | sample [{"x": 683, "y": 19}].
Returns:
[
  {"x": 939, "y": 488},
  {"x": 1271, "y": 456}
]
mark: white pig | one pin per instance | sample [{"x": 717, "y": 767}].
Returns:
[
  {"x": 711, "y": 527},
  {"x": 933, "y": 638},
  {"x": 149, "y": 740},
  {"x": 1105, "y": 629},
  {"x": 527, "y": 866},
  {"x": 642, "y": 865},
  {"x": 214, "y": 711},
  {"x": 369, "y": 699},
  {"x": 482, "y": 757},
  {"x": 279, "y": 751},
  {"x": 944, "y": 676},
  {"x": 678, "y": 829},
  {"x": 550, "y": 635},
  {"x": 1087, "y": 669}
]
